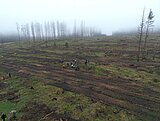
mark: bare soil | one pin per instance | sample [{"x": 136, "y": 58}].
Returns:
[
  {"x": 129, "y": 94},
  {"x": 41, "y": 112}
]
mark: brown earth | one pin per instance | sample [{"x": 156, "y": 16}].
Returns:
[
  {"x": 41, "y": 112},
  {"x": 126, "y": 93}
]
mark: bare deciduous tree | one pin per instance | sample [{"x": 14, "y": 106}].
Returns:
[
  {"x": 58, "y": 29},
  {"x": 28, "y": 32},
  {"x": 38, "y": 31},
  {"x": 18, "y": 31},
  {"x": 52, "y": 33},
  {"x": 49, "y": 31},
  {"x": 75, "y": 30},
  {"x": 140, "y": 35},
  {"x": 24, "y": 32},
  {"x": 82, "y": 28},
  {"x": 54, "y": 29},
  {"x": 46, "y": 31},
  {"x": 33, "y": 31},
  {"x": 63, "y": 30},
  {"x": 42, "y": 34},
  {"x": 149, "y": 24}
]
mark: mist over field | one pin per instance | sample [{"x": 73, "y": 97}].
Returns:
[
  {"x": 80, "y": 60},
  {"x": 107, "y": 15}
]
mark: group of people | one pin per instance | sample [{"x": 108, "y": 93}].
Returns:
[
  {"x": 11, "y": 117},
  {"x": 74, "y": 64}
]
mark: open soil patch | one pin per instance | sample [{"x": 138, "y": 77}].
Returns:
[
  {"x": 116, "y": 91},
  {"x": 3, "y": 85},
  {"x": 41, "y": 112},
  {"x": 11, "y": 96}
]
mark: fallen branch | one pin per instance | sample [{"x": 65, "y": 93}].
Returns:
[{"x": 46, "y": 116}]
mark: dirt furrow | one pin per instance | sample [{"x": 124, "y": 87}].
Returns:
[{"x": 100, "y": 88}]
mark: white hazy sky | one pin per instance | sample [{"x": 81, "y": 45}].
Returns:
[{"x": 108, "y": 15}]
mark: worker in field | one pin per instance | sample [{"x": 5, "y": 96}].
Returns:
[
  {"x": 9, "y": 74},
  {"x": 12, "y": 116},
  {"x": 73, "y": 63},
  {"x": 86, "y": 62},
  {"x": 68, "y": 64},
  {"x": 3, "y": 117},
  {"x": 77, "y": 68}
]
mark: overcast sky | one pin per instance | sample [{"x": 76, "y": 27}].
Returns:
[{"x": 108, "y": 15}]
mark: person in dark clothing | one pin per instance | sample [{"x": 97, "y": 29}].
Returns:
[
  {"x": 77, "y": 68},
  {"x": 3, "y": 117},
  {"x": 9, "y": 74},
  {"x": 86, "y": 62}
]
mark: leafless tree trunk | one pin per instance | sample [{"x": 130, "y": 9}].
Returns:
[
  {"x": 140, "y": 36},
  {"x": 49, "y": 31},
  {"x": 54, "y": 29},
  {"x": 58, "y": 29},
  {"x": 149, "y": 25},
  {"x": 75, "y": 30},
  {"x": 63, "y": 30},
  {"x": 46, "y": 31},
  {"x": 82, "y": 28},
  {"x": 24, "y": 31},
  {"x": 28, "y": 32},
  {"x": 18, "y": 32},
  {"x": 33, "y": 31},
  {"x": 52, "y": 34},
  {"x": 38, "y": 31},
  {"x": 42, "y": 34}
]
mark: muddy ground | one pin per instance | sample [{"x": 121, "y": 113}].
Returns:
[
  {"x": 139, "y": 98},
  {"x": 41, "y": 112}
]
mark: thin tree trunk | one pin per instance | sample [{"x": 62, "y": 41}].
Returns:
[{"x": 140, "y": 36}]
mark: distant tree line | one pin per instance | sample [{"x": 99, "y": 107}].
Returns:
[
  {"x": 49, "y": 30},
  {"x": 54, "y": 30}
]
